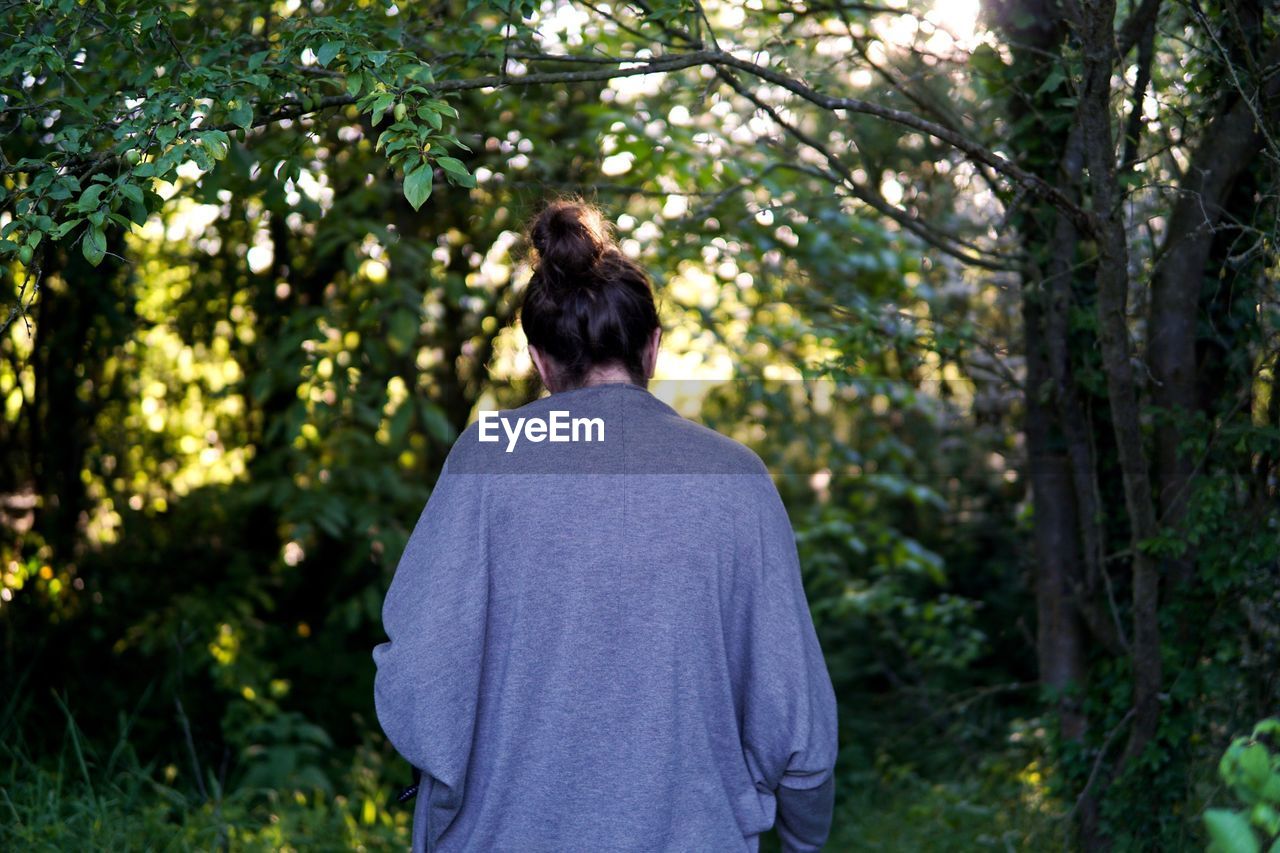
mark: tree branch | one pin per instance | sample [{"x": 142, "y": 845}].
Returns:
[
  {"x": 1139, "y": 22},
  {"x": 951, "y": 245}
]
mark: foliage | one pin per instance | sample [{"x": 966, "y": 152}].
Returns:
[
  {"x": 266, "y": 258},
  {"x": 101, "y": 799},
  {"x": 1250, "y": 769},
  {"x": 166, "y": 110},
  {"x": 97, "y": 799}
]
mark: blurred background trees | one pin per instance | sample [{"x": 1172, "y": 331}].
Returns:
[{"x": 991, "y": 286}]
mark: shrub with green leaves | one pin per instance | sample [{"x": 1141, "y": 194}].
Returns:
[{"x": 1251, "y": 769}]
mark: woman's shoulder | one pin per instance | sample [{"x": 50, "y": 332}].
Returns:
[
  {"x": 700, "y": 448},
  {"x": 620, "y": 432}
]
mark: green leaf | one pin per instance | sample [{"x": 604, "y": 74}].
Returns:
[
  {"x": 402, "y": 331},
  {"x": 327, "y": 52},
  {"x": 242, "y": 115},
  {"x": 398, "y": 144},
  {"x": 61, "y": 190},
  {"x": 417, "y": 184},
  {"x": 89, "y": 198},
  {"x": 442, "y": 107},
  {"x": 456, "y": 171},
  {"x": 399, "y": 425},
  {"x": 437, "y": 422},
  {"x": 62, "y": 228},
  {"x": 1268, "y": 726},
  {"x": 420, "y": 72},
  {"x": 216, "y": 143},
  {"x": 1053, "y": 80},
  {"x": 451, "y": 140},
  {"x": 137, "y": 212},
  {"x": 1266, "y": 818},
  {"x": 1256, "y": 764},
  {"x": 94, "y": 245},
  {"x": 1230, "y": 831},
  {"x": 380, "y": 104}
]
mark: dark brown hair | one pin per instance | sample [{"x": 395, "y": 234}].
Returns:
[{"x": 587, "y": 303}]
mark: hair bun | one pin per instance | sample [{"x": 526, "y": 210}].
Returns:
[{"x": 570, "y": 239}]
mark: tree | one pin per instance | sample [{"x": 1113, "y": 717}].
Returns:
[{"x": 1107, "y": 171}]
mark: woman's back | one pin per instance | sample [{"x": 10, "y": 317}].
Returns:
[{"x": 604, "y": 644}]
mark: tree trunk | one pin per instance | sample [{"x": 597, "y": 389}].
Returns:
[
  {"x": 1228, "y": 146},
  {"x": 77, "y": 327},
  {"x": 1112, "y": 278}
]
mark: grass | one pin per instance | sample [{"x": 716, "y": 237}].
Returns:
[{"x": 84, "y": 798}]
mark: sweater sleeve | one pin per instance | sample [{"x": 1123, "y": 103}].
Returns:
[
  {"x": 428, "y": 672},
  {"x": 788, "y": 704}
]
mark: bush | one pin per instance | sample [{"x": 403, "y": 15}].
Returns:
[{"x": 1251, "y": 770}]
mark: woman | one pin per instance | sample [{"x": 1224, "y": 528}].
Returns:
[{"x": 601, "y": 642}]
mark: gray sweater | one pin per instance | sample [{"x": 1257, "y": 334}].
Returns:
[{"x": 606, "y": 645}]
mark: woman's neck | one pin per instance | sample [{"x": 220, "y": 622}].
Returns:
[{"x": 605, "y": 374}]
